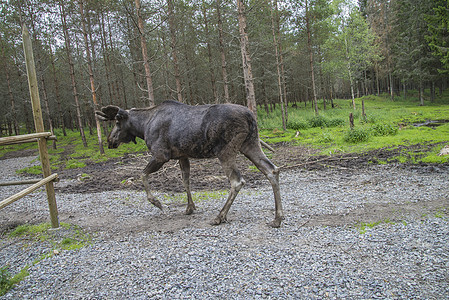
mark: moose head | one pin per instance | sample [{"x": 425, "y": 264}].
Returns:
[{"x": 122, "y": 131}]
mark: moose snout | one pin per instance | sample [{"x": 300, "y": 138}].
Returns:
[{"x": 113, "y": 145}]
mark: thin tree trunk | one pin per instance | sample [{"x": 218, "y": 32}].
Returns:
[
  {"x": 421, "y": 93},
  {"x": 143, "y": 43},
  {"x": 309, "y": 48},
  {"x": 91, "y": 76},
  {"x": 351, "y": 81},
  {"x": 246, "y": 58},
  {"x": 209, "y": 55},
  {"x": 12, "y": 101},
  {"x": 106, "y": 61},
  {"x": 57, "y": 95},
  {"x": 72, "y": 73},
  {"x": 323, "y": 86},
  {"x": 224, "y": 72},
  {"x": 174, "y": 53},
  {"x": 276, "y": 53}
]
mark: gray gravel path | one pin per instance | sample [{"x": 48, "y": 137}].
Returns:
[{"x": 321, "y": 250}]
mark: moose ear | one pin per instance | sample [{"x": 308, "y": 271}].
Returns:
[{"x": 108, "y": 113}]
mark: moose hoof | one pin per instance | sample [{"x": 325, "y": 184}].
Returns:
[
  {"x": 190, "y": 209},
  {"x": 218, "y": 221},
  {"x": 157, "y": 204},
  {"x": 276, "y": 223}
]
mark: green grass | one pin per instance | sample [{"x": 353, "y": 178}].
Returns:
[
  {"x": 388, "y": 124},
  {"x": 72, "y": 238}
]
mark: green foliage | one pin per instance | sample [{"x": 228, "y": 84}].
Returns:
[
  {"x": 437, "y": 36},
  {"x": 382, "y": 129},
  {"x": 297, "y": 124},
  {"x": 317, "y": 121},
  {"x": 7, "y": 282},
  {"x": 357, "y": 135}
]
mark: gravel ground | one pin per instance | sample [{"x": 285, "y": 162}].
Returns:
[{"x": 321, "y": 250}]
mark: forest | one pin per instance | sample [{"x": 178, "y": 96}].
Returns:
[{"x": 260, "y": 53}]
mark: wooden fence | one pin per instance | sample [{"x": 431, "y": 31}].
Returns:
[{"x": 40, "y": 137}]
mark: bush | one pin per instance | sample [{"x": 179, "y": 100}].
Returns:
[
  {"x": 335, "y": 122},
  {"x": 318, "y": 121},
  {"x": 357, "y": 135},
  {"x": 297, "y": 125},
  {"x": 384, "y": 129}
]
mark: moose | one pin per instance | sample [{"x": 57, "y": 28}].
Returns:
[{"x": 173, "y": 130}]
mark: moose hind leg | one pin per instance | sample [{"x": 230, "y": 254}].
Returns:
[
  {"x": 237, "y": 183},
  {"x": 259, "y": 159},
  {"x": 152, "y": 166},
  {"x": 185, "y": 170}
]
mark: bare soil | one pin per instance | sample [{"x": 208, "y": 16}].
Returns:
[{"x": 206, "y": 174}]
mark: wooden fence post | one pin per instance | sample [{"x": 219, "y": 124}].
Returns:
[{"x": 39, "y": 124}]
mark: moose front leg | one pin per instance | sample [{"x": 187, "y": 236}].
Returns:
[{"x": 152, "y": 167}]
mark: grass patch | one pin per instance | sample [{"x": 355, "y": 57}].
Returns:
[
  {"x": 68, "y": 237},
  {"x": 388, "y": 124}
]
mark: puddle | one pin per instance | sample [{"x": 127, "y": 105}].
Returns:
[{"x": 431, "y": 123}]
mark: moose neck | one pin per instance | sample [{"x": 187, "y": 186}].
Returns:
[{"x": 139, "y": 119}]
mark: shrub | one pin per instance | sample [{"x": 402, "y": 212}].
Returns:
[
  {"x": 318, "y": 121},
  {"x": 335, "y": 122},
  {"x": 297, "y": 125},
  {"x": 356, "y": 135},
  {"x": 384, "y": 129}
]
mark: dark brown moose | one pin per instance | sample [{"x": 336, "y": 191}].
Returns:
[{"x": 174, "y": 130}]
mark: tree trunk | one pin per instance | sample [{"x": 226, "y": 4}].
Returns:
[
  {"x": 246, "y": 58},
  {"x": 351, "y": 81},
  {"x": 143, "y": 43},
  {"x": 72, "y": 73},
  {"x": 224, "y": 72},
  {"x": 12, "y": 100},
  {"x": 309, "y": 48},
  {"x": 209, "y": 55},
  {"x": 276, "y": 53},
  {"x": 91, "y": 76},
  {"x": 421, "y": 93},
  {"x": 173, "y": 45},
  {"x": 57, "y": 95}
]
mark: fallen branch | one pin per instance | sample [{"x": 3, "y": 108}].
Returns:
[{"x": 319, "y": 160}]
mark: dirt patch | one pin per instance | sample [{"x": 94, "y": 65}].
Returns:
[{"x": 206, "y": 174}]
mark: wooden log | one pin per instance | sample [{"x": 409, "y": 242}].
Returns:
[
  {"x": 31, "y": 181},
  {"x": 51, "y": 138},
  {"x": 39, "y": 124},
  {"x": 25, "y": 137},
  {"x": 28, "y": 190}
]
